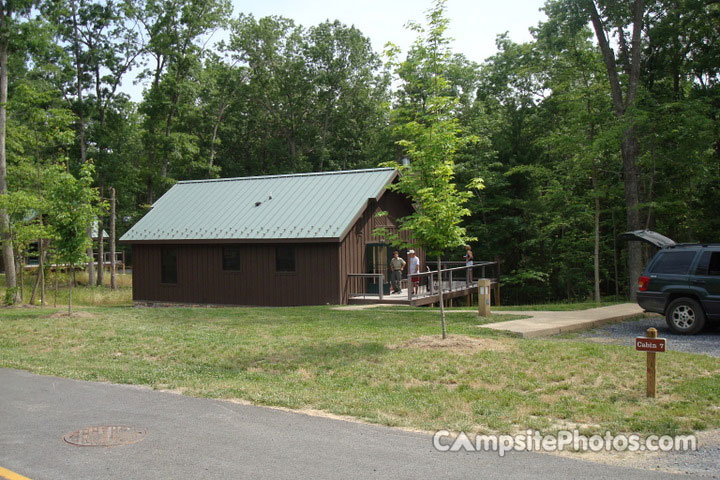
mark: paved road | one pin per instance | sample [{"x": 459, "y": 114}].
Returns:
[{"x": 209, "y": 439}]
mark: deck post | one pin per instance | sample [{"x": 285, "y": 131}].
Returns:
[
  {"x": 381, "y": 287},
  {"x": 484, "y": 297},
  {"x": 497, "y": 286}
]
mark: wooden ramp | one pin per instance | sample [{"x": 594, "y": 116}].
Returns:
[
  {"x": 456, "y": 282},
  {"x": 459, "y": 289}
]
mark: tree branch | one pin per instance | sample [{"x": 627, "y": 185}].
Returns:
[{"x": 608, "y": 57}]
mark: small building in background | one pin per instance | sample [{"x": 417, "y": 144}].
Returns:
[{"x": 277, "y": 240}]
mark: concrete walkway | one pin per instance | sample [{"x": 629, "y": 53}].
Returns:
[{"x": 543, "y": 323}]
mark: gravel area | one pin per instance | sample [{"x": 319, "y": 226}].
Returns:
[{"x": 706, "y": 342}]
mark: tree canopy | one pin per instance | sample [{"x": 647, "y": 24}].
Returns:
[{"x": 605, "y": 121}]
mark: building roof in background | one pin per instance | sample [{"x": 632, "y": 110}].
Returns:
[
  {"x": 313, "y": 206},
  {"x": 94, "y": 233}
]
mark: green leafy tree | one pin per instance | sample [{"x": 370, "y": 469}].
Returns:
[
  {"x": 177, "y": 45},
  {"x": 314, "y": 98},
  {"x": 75, "y": 205},
  {"x": 431, "y": 141},
  {"x": 11, "y": 38}
]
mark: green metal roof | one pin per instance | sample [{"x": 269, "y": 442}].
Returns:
[{"x": 317, "y": 206}]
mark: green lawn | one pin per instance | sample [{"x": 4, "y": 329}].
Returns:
[{"x": 368, "y": 364}]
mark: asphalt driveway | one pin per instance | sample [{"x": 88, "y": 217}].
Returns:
[{"x": 210, "y": 439}]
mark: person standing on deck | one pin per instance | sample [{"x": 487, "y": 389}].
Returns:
[
  {"x": 413, "y": 270},
  {"x": 468, "y": 262},
  {"x": 396, "y": 267}
]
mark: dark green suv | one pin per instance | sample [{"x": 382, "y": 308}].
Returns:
[{"x": 682, "y": 282}]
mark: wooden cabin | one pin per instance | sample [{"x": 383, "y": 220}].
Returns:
[{"x": 276, "y": 240}]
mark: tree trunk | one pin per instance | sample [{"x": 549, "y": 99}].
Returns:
[
  {"x": 91, "y": 262},
  {"x": 7, "y": 247},
  {"x": 21, "y": 279},
  {"x": 78, "y": 87},
  {"x": 615, "y": 257},
  {"x": 629, "y": 147},
  {"x": 71, "y": 280},
  {"x": 101, "y": 254},
  {"x": 113, "y": 267},
  {"x": 442, "y": 304},
  {"x": 218, "y": 121},
  {"x": 632, "y": 200},
  {"x": 596, "y": 251},
  {"x": 40, "y": 274},
  {"x": 57, "y": 281}
]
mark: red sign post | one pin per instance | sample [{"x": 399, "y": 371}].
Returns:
[{"x": 651, "y": 344}]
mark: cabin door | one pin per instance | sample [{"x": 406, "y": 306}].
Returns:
[{"x": 377, "y": 260}]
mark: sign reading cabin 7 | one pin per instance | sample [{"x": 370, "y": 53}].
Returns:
[{"x": 644, "y": 344}]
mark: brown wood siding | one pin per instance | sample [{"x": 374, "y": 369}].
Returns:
[
  {"x": 352, "y": 248},
  {"x": 201, "y": 278}
]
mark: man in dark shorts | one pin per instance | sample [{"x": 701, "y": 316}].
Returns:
[{"x": 396, "y": 267}]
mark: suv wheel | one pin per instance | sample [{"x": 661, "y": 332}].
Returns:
[{"x": 685, "y": 316}]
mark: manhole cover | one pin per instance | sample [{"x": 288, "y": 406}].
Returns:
[{"x": 105, "y": 436}]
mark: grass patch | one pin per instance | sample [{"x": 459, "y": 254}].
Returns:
[
  {"x": 382, "y": 367},
  {"x": 82, "y": 294}
]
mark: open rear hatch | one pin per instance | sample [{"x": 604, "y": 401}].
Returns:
[{"x": 653, "y": 238}]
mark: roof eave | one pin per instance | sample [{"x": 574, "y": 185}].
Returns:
[
  {"x": 359, "y": 214},
  {"x": 230, "y": 240}
]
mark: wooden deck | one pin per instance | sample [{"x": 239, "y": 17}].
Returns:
[{"x": 424, "y": 297}]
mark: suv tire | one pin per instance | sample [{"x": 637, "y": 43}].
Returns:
[{"x": 685, "y": 316}]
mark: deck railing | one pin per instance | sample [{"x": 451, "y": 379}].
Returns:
[
  {"x": 32, "y": 262},
  {"x": 453, "y": 279},
  {"x": 358, "y": 284}
]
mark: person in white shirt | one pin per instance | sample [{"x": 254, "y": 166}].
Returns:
[{"x": 413, "y": 269}]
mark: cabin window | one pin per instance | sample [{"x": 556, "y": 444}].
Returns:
[
  {"x": 168, "y": 265},
  {"x": 284, "y": 259},
  {"x": 231, "y": 258}
]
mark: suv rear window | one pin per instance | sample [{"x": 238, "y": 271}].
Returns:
[
  {"x": 677, "y": 263},
  {"x": 709, "y": 264}
]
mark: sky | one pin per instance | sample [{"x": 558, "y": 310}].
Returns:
[{"x": 473, "y": 24}]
